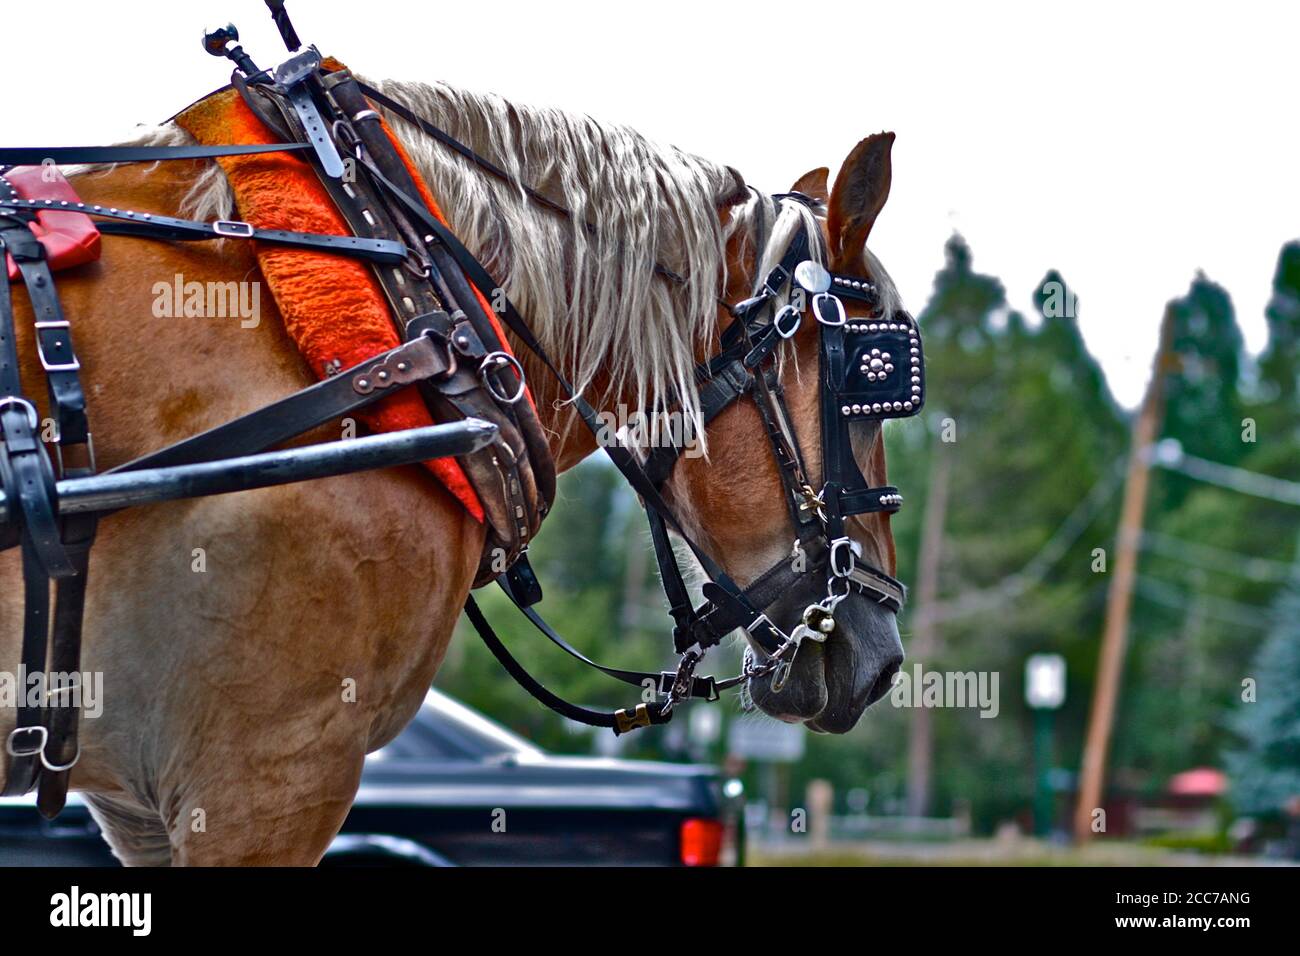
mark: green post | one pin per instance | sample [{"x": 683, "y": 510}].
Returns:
[{"x": 1044, "y": 804}]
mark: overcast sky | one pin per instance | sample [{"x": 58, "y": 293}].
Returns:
[{"x": 1127, "y": 145}]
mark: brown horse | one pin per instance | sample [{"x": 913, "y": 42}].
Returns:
[{"x": 255, "y": 647}]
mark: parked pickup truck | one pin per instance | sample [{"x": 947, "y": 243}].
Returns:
[{"x": 456, "y": 789}]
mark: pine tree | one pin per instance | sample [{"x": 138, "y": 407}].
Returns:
[{"x": 1265, "y": 772}]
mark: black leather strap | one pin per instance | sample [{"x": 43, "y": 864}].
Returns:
[
  {"x": 68, "y": 155},
  {"x": 620, "y": 721},
  {"x": 146, "y": 225}
]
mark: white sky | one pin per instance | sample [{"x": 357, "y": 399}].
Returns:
[{"x": 1125, "y": 144}]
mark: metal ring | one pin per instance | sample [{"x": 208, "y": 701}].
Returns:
[
  {"x": 789, "y": 310},
  {"x": 32, "y": 416},
  {"x": 495, "y": 360},
  {"x": 60, "y": 768},
  {"x": 821, "y": 297}
]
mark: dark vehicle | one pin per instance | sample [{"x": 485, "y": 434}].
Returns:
[{"x": 456, "y": 789}]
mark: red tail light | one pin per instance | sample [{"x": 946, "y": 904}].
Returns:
[{"x": 701, "y": 842}]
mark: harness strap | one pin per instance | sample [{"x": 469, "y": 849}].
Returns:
[
  {"x": 148, "y": 225},
  {"x": 67, "y": 155}
]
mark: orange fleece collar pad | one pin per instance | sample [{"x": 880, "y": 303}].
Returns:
[{"x": 333, "y": 308}]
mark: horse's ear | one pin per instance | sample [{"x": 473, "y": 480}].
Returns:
[
  {"x": 861, "y": 189},
  {"x": 813, "y": 183}
]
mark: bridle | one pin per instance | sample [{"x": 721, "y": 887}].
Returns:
[{"x": 871, "y": 369}]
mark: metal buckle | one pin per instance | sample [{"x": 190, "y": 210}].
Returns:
[
  {"x": 37, "y": 750},
  {"x": 233, "y": 228},
  {"x": 624, "y": 721},
  {"x": 87, "y": 465},
  {"x": 494, "y": 360},
  {"x": 839, "y": 548},
  {"x": 33, "y": 418},
  {"x": 72, "y": 366},
  {"x": 786, "y": 313},
  {"x": 840, "y": 317}
]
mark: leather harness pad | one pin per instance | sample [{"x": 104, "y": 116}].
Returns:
[
  {"x": 70, "y": 238},
  {"x": 333, "y": 308}
]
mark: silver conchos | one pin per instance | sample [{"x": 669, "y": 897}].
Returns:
[
  {"x": 885, "y": 373},
  {"x": 812, "y": 277}
]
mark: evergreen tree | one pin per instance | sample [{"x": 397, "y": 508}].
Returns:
[{"x": 1265, "y": 772}]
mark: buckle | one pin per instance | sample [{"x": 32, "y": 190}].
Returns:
[
  {"x": 46, "y": 364},
  {"x": 788, "y": 314},
  {"x": 233, "y": 228},
  {"x": 33, "y": 419},
  {"x": 625, "y": 721},
  {"x": 840, "y": 316},
  {"x": 88, "y": 462},
  {"x": 30, "y": 750},
  {"x": 776, "y": 280},
  {"x": 841, "y": 547}
]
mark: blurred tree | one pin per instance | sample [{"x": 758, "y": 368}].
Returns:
[{"x": 1265, "y": 772}]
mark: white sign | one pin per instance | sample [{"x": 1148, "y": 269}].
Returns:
[
  {"x": 1045, "y": 681},
  {"x": 766, "y": 739}
]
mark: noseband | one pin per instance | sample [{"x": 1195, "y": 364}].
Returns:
[{"x": 871, "y": 369}]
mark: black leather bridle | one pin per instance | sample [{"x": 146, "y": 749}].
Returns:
[{"x": 871, "y": 369}]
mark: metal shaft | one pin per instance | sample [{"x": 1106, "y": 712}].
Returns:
[{"x": 109, "y": 492}]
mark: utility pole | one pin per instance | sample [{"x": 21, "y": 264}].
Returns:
[
  {"x": 925, "y": 634},
  {"x": 1119, "y": 597}
]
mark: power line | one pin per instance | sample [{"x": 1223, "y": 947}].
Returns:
[
  {"x": 1169, "y": 454},
  {"x": 1014, "y": 585},
  {"x": 1220, "y": 609},
  {"x": 1220, "y": 560}
]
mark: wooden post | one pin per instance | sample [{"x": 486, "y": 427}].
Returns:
[
  {"x": 925, "y": 629},
  {"x": 1119, "y": 597}
]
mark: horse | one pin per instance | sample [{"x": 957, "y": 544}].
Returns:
[{"x": 256, "y": 646}]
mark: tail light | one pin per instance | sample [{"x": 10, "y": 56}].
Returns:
[{"x": 701, "y": 842}]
